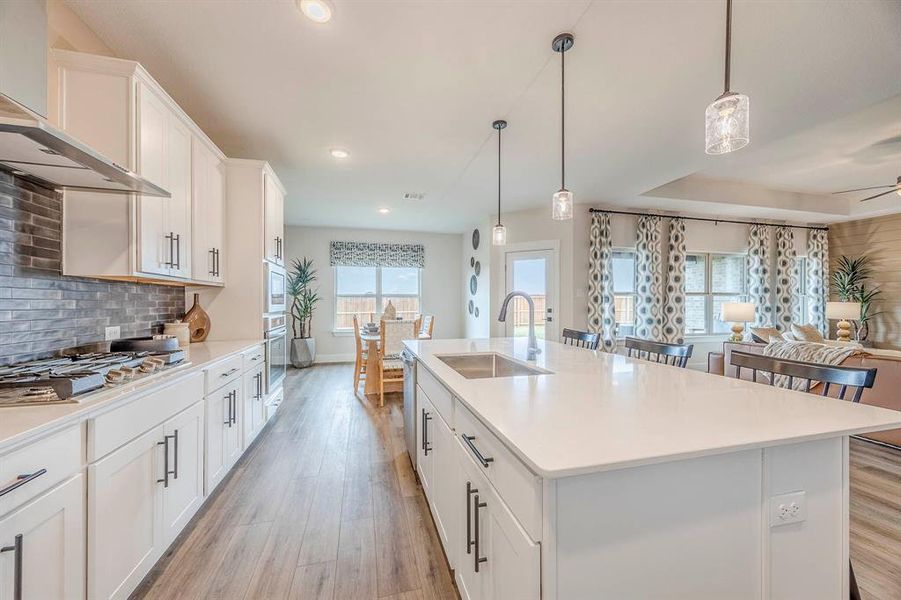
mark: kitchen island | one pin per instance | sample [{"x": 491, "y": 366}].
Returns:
[{"x": 602, "y": 476}]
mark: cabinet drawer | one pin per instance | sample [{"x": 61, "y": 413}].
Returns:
[
  {"x": 121, "y": 425},
  {"x": 223, "y": 372},
  {"x": 438, "y": 395},
  {"x": 59, "y": 456},
  {"x": 253, "y": 358},
  {"x": 517, "y": 486}
]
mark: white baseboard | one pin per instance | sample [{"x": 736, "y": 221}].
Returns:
[{"x": 334, "y": 358}]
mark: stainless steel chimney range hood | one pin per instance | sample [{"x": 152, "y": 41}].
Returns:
[{"x": 33, "y": 149}]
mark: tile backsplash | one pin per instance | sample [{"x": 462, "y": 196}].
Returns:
[{"x": 42, "y": 311}]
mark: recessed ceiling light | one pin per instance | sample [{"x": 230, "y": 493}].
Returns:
[
  {"x": 384, "y": 211},
  {"x": 318, "y": 11},
  {"x": 339, "y": 153}
]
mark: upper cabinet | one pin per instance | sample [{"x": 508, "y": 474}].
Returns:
[
  {"x": 208, "y": 210},
  {"x": 118, "y": 108},
  {"x": 275, "y": 219}
]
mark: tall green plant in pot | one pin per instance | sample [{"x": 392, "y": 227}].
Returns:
[
  {"x": 304, "y": 298},
  {"x": 849, "y": 280}
]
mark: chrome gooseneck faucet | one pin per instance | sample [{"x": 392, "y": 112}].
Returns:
[{"x": 533, "y": 344}]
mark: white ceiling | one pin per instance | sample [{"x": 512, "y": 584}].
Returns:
[{"x": 411, "y": 89}]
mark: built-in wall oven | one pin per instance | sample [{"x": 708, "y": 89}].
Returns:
[
  {"x": 276, "y": 286},
  {"x": 276, "y": 336}
]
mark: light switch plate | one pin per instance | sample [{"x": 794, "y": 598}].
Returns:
[
  {"x": 788, "y": 508},
  {"x": 112, "y": 333}
]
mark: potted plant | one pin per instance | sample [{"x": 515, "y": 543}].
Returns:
[
  {"x": 303, "y": 302},
  {"x": 850, "y": 283}
]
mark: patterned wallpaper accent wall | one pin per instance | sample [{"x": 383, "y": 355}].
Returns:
[{"x": 42, "y": 311}]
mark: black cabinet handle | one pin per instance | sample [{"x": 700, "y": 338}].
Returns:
[
  {"x": 477, "y": 560},
  {"x": 22, "y": 480},
  {"x": 230, "y": 372},
  {"x": 212, "y": 253},
  {"x": 426, "y": 417},
  {"x": 228, "y": 419},
  {"x": 16, "y": 548},
  {"x": 469, "y": 492},
  {"x": 175, "y": 449},
  {"x": 485, "y": 461},
  {"x": 166, "y": 471}
]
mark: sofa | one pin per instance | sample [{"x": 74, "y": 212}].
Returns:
[{"x": 886, "y": 392}]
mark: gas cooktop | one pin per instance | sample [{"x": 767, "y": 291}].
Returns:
[{"x": 61, "y": 380}]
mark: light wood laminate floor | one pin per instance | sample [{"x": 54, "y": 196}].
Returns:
[{"x": 325, "y": 505}]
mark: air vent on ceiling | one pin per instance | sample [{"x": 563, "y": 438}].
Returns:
[{"x": 414, "y": 196}]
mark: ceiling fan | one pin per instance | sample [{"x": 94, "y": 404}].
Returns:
[{"x": 895, "y": 187}]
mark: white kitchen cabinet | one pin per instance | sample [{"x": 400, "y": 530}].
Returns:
[
  {"x": 164, "y": 157},
  {"x": 116, "y": 107},
  {"x": 125, "y": 516},
  {"x": 223, "y": 444},
  {"x": 496, "y": 557},
  {"x": 445, "y": 485},
  {"x": 208, "y": 212},
  {"x": 254, "y": 409},
  {"x": 49, "y": 531},
  {"x": 183, "y": 480},
  {"x": 274, "y": 220}
]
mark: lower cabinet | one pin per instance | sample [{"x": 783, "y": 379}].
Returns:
[
  {"x": 445, "y": 483},
  {"x": 497, "y": 559},
  {"x": 254, "y": 405},
  {"x": 223, "y": 433},
  {"x": 139, "y": 498},
  {"x": 42, "y": 543},
  {"x": 183, "y": 466}
]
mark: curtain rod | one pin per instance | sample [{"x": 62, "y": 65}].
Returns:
[{"x": 708, "y": 220}]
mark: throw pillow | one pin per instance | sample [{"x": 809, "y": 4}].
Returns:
[
  {"x": 788, "y": 336},
  {"x": 807, "y": 333},
  {"x": 762, "y": 335}
]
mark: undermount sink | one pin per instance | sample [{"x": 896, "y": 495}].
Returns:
[{"x": 486, "y": 365}]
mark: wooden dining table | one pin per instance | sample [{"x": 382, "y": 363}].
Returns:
[{"x": 371, "y": 384}]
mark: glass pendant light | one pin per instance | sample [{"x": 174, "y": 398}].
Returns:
[
  {"x": 562, "y": 205},
  {"x": 499, "y": 233},
  {"x": 727, "y": 117}
]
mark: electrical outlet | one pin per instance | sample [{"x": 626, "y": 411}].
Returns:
[
  {"x": 112, "y": 333},
  {"x": 788, "y": 508}
]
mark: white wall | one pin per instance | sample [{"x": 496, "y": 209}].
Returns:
[
  {"x": 477, "y": 326},
  {"x": 441, "y": 280}
]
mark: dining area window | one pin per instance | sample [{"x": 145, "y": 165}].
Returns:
[{"x": 366, "y": 291}]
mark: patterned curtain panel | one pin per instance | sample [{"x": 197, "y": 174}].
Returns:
[
  {"x": 786, "y": 278},
  {"x": 817, "y": 277},
  {"x": 366, "y": 254},
  {"x": 759, "y": 274},
  {"x": 674, "y": 310},
  {"x": 648, "y": 280},
  {"x": 601, "y": 312}
]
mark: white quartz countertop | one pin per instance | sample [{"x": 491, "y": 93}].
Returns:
[
  {"x": 599, "y": 411},
  {"x": 20, "y": 424}
]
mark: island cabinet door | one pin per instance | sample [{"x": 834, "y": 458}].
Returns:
[
  {"x": 471, "y": 575},
  {"x": 44, "y": 546},
  {"x": 445, "y": 483},
  {"x": 217, "y": 422},
  {"x": 125, "y": 516},
  {"x": 183, "y": 484},
  {"x": 513, "y": 559},
  {"x": 425, "y": 442}
]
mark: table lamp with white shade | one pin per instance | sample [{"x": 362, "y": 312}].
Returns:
[
  {"x": 844, "y": 312},
  {"x": 738, "y": 313}
]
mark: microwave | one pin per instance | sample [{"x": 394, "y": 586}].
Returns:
[{"x": 276, "y": 286}]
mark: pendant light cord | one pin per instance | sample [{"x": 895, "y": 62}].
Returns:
[
  {"x": 563, "y": 118},
  {"x": 728, "y": 45},
  {"x": 499, "y": 176}
]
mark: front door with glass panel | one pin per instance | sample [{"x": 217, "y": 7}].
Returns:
[{"x": 535, "y": 273}]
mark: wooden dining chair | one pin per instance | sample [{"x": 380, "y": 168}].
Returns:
[
  {"x": 811, "y": 376},
  {"x": 581, "y": 339},
  {"x": 391, "y": 367},
  {"x": 675, "y": 355},
  {"x": 361, "y": 357}
]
